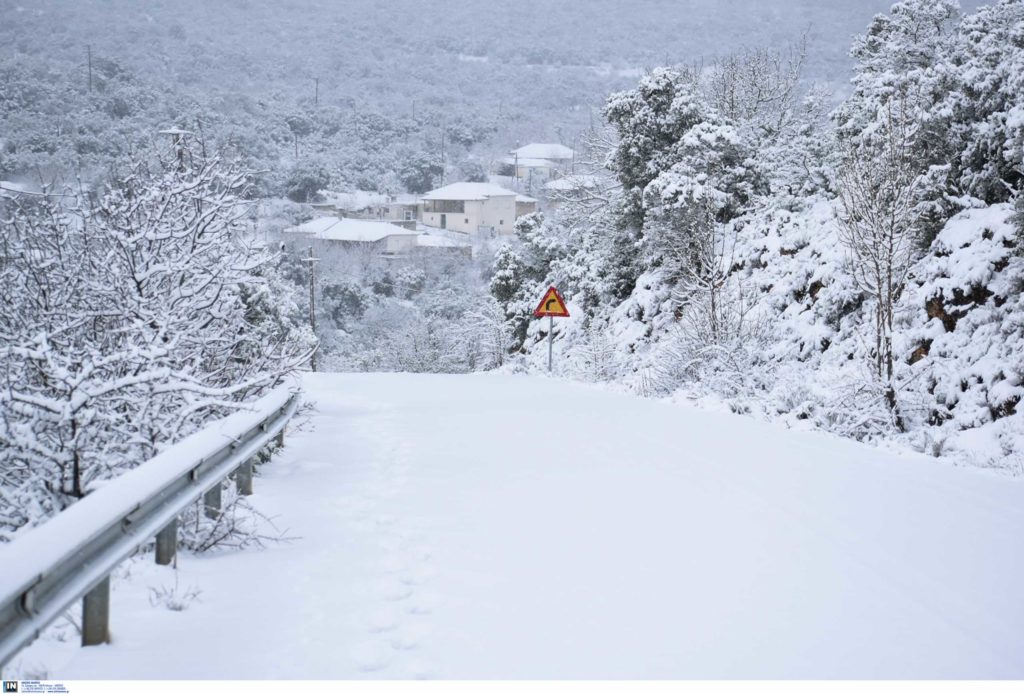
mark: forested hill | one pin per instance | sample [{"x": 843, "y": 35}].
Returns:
[{"x": 391, "y": 75}]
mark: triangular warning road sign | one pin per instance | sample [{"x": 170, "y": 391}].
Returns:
[{"x": 551, "y": 305}]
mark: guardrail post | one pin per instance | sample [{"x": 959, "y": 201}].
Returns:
[
  {"x": 96, "y": 614},
  {"x": 243, "y": 478},
  {"x": 280, "y": 438},
  {"x": 167, "y": 543},
  {"x": 211, "y": 501}
]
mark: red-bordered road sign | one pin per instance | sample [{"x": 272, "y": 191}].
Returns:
[{"x": 551, "y": 305}]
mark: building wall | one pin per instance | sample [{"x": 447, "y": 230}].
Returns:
[
  {"x": 330, "y": 250},
  {"x": 538, "y": 174},
  {"x": 500, "y": 213},
  {"x": 399, "y": 243},
  {"x": 467, "y": 222},
  {"x": 396, "y": 212},
  {"x": 543, "y": 173},
  {"x": 525, "y": 208}
]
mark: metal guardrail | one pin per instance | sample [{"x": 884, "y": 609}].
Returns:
[{"x": 71, "y": 555}]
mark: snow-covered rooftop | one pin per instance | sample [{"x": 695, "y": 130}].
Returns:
[
  {"x": 314, "y": 226},
  {"x": 525, "y": 198},
  {"x": 529, "y": 162},
  {"x": 334, "y": 229},
  {"x": 543, "y": 150},
  {"x": 466, "y": 190}
]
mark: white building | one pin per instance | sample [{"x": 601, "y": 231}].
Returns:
[
  {"x": 538, "y": 162},
  {"x": 330, "y": 235},
  {"x": 401, "y": 208},
  {"x": 345, "y": 232},
  {"x": 471, "y": 208}
]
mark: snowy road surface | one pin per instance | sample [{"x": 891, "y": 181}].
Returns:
[{"x": 519, "y": 527}]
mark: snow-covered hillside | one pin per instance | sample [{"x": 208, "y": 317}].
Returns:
[
  {"x": 521, "y": 527},
  {"x": 858, "y": 271}
]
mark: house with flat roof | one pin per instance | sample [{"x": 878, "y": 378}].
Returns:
[{"x": 471, "y": 208}]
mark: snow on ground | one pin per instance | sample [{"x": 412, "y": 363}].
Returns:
[{"x": 520, "y": 527}]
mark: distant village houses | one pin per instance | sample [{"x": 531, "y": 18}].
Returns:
[{"x": 465, "y": 209}]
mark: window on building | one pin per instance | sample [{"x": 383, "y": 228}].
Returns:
[{"x": 458, "y": 206}]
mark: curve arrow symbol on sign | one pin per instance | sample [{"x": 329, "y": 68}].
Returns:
[{"x": 552, "y": 304}]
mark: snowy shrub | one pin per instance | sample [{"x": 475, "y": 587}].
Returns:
[
  {"x": 238, "y": 525},
  {"x": 174, "y": 597},
  {"x": 719, "y": 347},
  {"x": 792, "y": 396},
  {"x": 595, "y": 355}
]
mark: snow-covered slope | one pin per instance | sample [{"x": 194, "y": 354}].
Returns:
[
  {"x": 521, "y": 527},
  {"x": 804, "y": 353}
]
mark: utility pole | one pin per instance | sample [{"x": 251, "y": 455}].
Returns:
[
  {"x": 316, "y": 94},
  {"x": 443, "y": 167},
  {"x": 312, "y": 302},
  {"x": 295, "y": 136},
  {"x": 88, "y": 50},
  {"x": 178, "y": 142}
]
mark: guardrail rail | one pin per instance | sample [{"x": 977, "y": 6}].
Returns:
[{"x": 71, "y": 555}]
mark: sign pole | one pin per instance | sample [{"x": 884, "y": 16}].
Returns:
[{"x": 551, "y": 338}]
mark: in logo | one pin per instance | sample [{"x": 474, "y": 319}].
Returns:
[{"x": 10, "y": 686}]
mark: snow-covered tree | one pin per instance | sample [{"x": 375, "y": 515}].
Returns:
[
  {"x": 512, "y": 280},
  {"x": 983, "y": 102},
  {"x": 128, "y": 320},
  {"x": 878, "y": 227}
]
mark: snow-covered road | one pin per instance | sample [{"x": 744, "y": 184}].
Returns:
[{"x": 519, "y": 527}]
